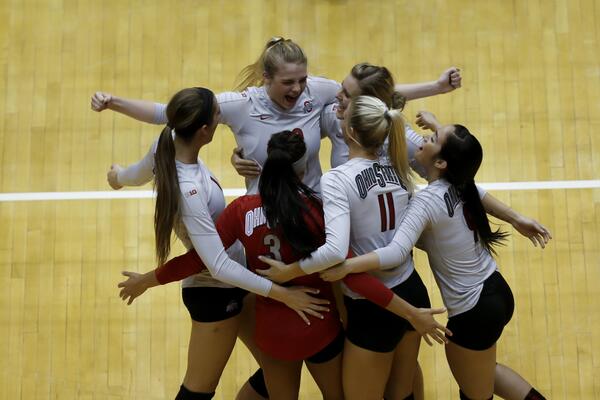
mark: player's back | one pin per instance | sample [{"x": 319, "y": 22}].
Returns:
[
  {"x": 376, "y": 199},
  {"x": 244, "y": 220}
]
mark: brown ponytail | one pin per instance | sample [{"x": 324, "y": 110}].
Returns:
[
  {"x": 166, "y": 185},
  {"x": 188, "y": 111}
]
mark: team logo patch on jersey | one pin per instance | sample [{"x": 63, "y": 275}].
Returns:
[
  {"x": 308, "y": 107},
  {"x": 254, "y": 218},
  {"x": 191, "y": 193}
]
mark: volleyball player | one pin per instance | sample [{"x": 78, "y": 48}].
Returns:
[
  {"x": 363, "y": 199},
  {"x": 188, "y": 198},
  {"x": 448, "y": 221},
  {"x": 286, "y": 222}
]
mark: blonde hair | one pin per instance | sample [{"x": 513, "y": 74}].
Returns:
[
  {"x": 277, "y": 51},
  {"x": 372, "y": 122}
]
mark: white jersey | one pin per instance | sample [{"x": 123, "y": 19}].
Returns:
[
  {"x": 201, "y": 203},
  {"x": 363, "y": 201},
  {"x": 332, "y": 127},
  {"x": 459, "y": 263},
  {"x": 253, "y": 118}
]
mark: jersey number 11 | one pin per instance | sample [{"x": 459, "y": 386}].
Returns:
[{"x": 387, "y": 212}]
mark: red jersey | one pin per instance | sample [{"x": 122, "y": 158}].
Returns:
[{"x": 279, "y": 331}]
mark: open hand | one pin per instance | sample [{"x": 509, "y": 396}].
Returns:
[{"x": 428, "y": 327}]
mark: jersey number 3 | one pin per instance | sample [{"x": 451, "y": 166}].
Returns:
[
  {"x": 274, "y": 245},
  {"x": 387, "y": 212}
]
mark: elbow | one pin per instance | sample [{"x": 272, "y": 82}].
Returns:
[
  {"x": 325, "y": 258},
  {"x": 392, "y": 255},
  {"x": 337, "y": 256}
]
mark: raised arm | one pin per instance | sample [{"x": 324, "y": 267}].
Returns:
[
  {"x": 142, "y": 110},
  {"x": 528, "y": 227},
  {"x": 448, "y": 81},
  {"x": 414, "y": 142},
  {"x": 136, "y": 174}
]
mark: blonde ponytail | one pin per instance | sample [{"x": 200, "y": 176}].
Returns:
[
  {"x": 373, "y": 122},
  {"x": 397, "y": 150}
]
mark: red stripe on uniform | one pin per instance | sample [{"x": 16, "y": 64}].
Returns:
[
  {"x": 382, "y": 213},
  {"x": 390, "y": 201}
]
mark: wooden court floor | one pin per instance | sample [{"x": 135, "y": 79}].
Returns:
[{"x": 531, "y": 93}]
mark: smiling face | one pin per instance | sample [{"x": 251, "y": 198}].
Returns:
[
  {"x": 349, "y": 90},
  {"x": 287, "y": 84}
]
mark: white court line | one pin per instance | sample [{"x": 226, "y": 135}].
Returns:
[{"x": 234, "y": 192}]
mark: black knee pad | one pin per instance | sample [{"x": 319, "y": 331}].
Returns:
[
  {"x": 534, "y": 395},
  {"x": 409, "y": 397},
  {"x": 257, "y": 381},
  {"x": 464, "y": 396},
  {"x": 186, "y": 394}
]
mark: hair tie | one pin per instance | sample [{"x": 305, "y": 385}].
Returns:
[
  {"x": 274, "y": 40},
  {"x": 387, "y": 114}
]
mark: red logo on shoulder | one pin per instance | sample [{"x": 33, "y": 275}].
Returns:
[{"x": 308, "y": 107}]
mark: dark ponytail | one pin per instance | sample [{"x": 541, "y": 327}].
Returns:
[
  {"x": 284, "y": 195},
  {"x": 189, "y": 110},
  {"x": 166, "y": 185},
  {"x": 463, "y": 155}
]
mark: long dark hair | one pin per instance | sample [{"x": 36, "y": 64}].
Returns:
[
  {"x": 463, "y": 155},
  {"x": 284, "y": 195},
  {"x": 188, "y": 111}
]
